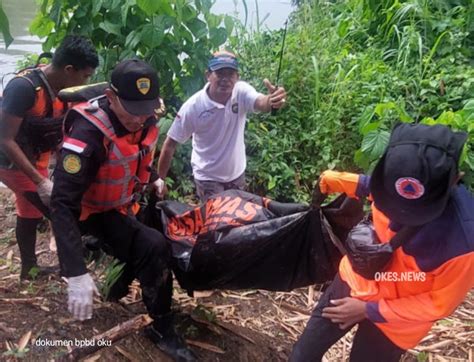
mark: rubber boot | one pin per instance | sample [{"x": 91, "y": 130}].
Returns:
[
  {"x": 26, "y": 238},
  {"x": 164, "y": 336}
]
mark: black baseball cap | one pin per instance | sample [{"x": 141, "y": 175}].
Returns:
[
  {"x": 136, "y": 84},
  {"x": 411, "y": 183}
]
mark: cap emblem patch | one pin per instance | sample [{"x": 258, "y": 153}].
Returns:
[
  {"x": 409, "y": 188},
  {"x": 143, "y": 85}
]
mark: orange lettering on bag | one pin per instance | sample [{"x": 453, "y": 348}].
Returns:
[
  {"x": 217, "y": 205},
  {"x": 231, "y": 206},
  {"x": 172, "y": 227},
  {"x": 188, "y": 225},
  {"x": 198, "y": 223},
  {"x": 249, "y": 212},
  {"x": 177, "y": 228}
]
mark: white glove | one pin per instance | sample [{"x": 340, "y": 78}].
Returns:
[
  {"x": 44, "y": 190},
  {"x": 159, "y": 185},
  {"x": 81, "y": 290}
]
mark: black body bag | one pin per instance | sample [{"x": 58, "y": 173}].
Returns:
[
  {"x": 237, "y": 240},
  {"x": 367, "y": 254}
]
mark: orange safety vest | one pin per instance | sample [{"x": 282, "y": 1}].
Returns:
[
  {"x": 46, "y": 105},
  {"x": 427, "y": 278},
  {"x": 410, "y": 307},
  {"x": 127, "y": 165}
]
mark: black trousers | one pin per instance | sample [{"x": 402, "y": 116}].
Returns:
[
  {"x": 369, "y": 345},
  {"x": 146, "y": 252}
]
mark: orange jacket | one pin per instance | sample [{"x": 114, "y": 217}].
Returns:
[
  {"x": 46, "y": 105},
  {"x": 127, "y": 166},
  {"x": 429, "y": 275}
]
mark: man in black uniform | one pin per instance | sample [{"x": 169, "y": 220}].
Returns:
[
  {"x": 30, "y": 128},
  {"x": 106, "y": 154}
]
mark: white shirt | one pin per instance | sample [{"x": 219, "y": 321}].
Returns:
[{"x": 218, "y": 132}]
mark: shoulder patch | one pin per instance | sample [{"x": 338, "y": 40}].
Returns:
[
  {"x": 72, "y": 164},
  {"x": 74, "y": 145}
]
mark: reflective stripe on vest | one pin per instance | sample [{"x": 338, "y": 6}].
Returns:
[{"x": 125, "y": 166}]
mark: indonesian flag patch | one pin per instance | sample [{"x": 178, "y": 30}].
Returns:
[{"x": 74, "y": 145}]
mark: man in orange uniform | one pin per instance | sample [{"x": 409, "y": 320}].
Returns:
[
  {"x": 31, "y": 127},
  {"x": 105, "y": 157},
  {"x": 415, "y": 184}
]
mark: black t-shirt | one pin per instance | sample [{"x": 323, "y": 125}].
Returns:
[{"x": 18, "y": 97}]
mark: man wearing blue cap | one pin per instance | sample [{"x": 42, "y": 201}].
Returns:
[{"x": 215, "y": 119}]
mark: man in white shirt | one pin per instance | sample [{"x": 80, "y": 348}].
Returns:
[{"x": 215, "y": 118}]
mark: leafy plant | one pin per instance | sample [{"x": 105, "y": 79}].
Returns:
[
  {"x": 461, "y": 120},
  {"x": 192, "y": 331},
  {"x": 204, "y": 313},
  {"x": 5, "y": 27},
  {"x": 18, "y": 350},
  {"x": 33, "y": 272},
  {"x": 176, "y": 37},
  {"x": 31, "y": 60},
  {"x": 422, "y": 357},
  {"x": 112, "y": 274},
  {"x": 53, "y": 288},
  {"x": 351, "y": 70},
  {"x": 374, "y": 126}
]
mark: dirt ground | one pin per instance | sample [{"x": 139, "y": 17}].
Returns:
[{"x": 251, "y": 325}]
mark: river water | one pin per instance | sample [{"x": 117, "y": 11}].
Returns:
[{"x": 20, "y": 13}]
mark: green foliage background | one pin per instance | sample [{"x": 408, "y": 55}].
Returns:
[
  {"x": 176, "y": 37},
  {"x": 352, "y": 69},
  {"x": 5, "y": 27}
]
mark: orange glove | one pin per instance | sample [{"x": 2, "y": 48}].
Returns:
[{"x": 331, "y": 182}]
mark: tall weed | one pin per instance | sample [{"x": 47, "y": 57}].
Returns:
[{"x": 352, "y": 69}]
